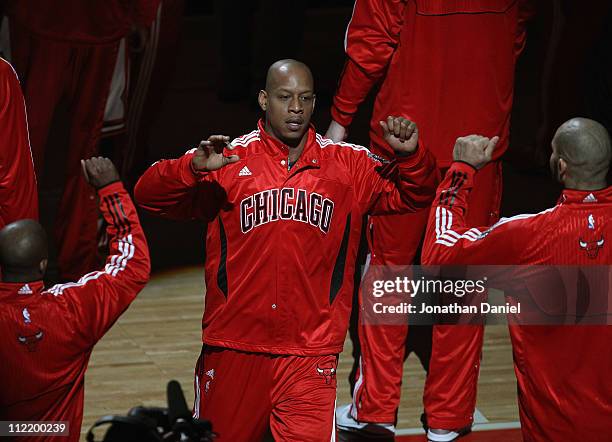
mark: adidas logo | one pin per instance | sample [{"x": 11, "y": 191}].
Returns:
[
  {"x": 211, "y": 373},
  {"x": 590, "y": 198},
  {"x": 245, "y": 171},
  {"x": 25, "y": 290}
]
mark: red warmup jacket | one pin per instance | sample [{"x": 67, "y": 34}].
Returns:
[
  {"x": 281, "y": 245},
  {"x": 48, "y": 335},
  {"x": 18, "y": 194},
  {"x": 79, "y": 21},
  {"x": 447, "y": 65},
  {"x": 563, "y": 372}
]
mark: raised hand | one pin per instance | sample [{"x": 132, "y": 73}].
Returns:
[
  {"x": 401, "y": 134},
  {"x": 475, "y": 150},
  {"x": 99, "y": 171},
  {"x": 209, "y": 155}
]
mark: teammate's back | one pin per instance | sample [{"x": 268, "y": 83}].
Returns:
[
  {"x": 562, "y": 369},
  {"x": 48, "y": 335}
]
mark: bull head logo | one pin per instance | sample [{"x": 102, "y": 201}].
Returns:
[
  {"x": 327, "y": 372},
  {"x": 591, "y": 247},
  {"x": 590, "y": 243},
  {"x": 31, "y": 341}
]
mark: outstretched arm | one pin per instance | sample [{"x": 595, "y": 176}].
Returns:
[
  {"x": 187, "y": 187},
  {"x": 405, "y": 185},
  {"x": 99, "y": 298},
  {"x": 449, "y": 239}
]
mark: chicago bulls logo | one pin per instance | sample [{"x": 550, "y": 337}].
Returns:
[
  {"x": 31, "y": 341},
  {"x": 327, "y": 372},
  {"x": 590, "y": 242},
  {"x": 591, "y": 247},
  {"x": 31, "y": 335}
]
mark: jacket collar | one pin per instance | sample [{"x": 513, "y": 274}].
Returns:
[
  {"x": 311, "y": 155},
  {"x": 572, "y": 196},
  {"x": 12, "y": 291}
]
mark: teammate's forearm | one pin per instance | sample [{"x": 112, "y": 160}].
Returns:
[
  {"x": 448, "y": 212},
  {"x": 353, "y": 88},
  {"x": 127, "y": 241}
]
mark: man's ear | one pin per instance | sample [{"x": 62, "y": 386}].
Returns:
[
  {"x": 314, "y": 101},
  {"x": 43, "y": 266},
  {"x": 262, "y": 98},
  {"x": 562, "y": 170}
]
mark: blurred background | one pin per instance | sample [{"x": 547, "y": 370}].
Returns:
[{"x": 211, "y": 60}]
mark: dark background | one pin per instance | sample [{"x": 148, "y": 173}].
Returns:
[{"x": 219, "y": 63}]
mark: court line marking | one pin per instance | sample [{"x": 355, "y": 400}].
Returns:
[{"x": 479, "y": 418}]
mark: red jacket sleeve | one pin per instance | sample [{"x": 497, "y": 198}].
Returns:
[
  {"x": 449, "y": 240},
  {"x": 404, "y": 185},
  {"x": 371, "y": 38},
  {"x": 172, "y": 189},
  {"x": 99, "y": 298},
  {"x": 18, "y": 194}
]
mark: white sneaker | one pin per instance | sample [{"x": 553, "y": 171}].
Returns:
[
  {"x": 346, "y": 422},
  {"x": 441, "y": 435}
]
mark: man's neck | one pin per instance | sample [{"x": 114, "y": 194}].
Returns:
[
  {"x": 586, "y": 187},
  {"x": 295, "y": 149},
  {"x": 295, "y": 152},
  {"x": 21, "y": 277}
]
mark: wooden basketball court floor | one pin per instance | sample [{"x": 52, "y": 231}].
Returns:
[{"x": 159, "y": 338}]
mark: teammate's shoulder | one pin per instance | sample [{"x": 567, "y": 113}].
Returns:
[{"x": 524, "y": 219}]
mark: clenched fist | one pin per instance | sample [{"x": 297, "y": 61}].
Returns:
[
  {"x": 401, "y": 134},
  {"x": 475, "y": 150},
  {"x": 209, "y": 155},
  {"x": 99, "y": 171}
]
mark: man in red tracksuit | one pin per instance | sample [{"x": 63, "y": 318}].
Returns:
[
  {"x": 18, "y": 194},
  {"x": 285, "y": 214},
  {"x": 48, "y": 335},
  {"x": 563, "y": 372},
  {"x": 449, "y": 66},
  {"x": 67, "y": 51}
]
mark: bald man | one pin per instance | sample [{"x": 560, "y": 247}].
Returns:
[
  {"x": 563, "y": 372},
  {"x": 284, "y": 208},
  {"x": 48, "y": 335}
]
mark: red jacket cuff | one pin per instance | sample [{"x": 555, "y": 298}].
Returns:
[
  {"x": 412, "y": 160},
  {"x": 189, "y": 175},
  {"x": 466, "y": 168},
  {"x": 114, "y": 187}
]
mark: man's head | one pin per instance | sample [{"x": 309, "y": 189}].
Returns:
[
  {"x": 288, "y": 100},
  {"x": 581, "y": 154},
  {"x": 23, "y": 251}
]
